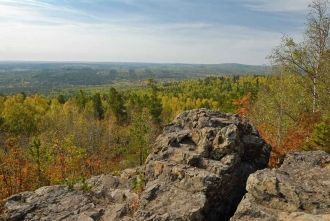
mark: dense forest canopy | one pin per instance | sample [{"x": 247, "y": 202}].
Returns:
[{"x": 45, "y": 77}]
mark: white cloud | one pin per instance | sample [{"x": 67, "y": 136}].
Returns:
[
  {"x": 25, "y": 37},
  {"x": 184, "y": 43},
  {"x": 34, "y": 11},
  {"x": 278, "y": 5}
]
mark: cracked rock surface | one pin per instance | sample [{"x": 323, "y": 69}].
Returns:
[
  {"x": 199, "y": 167},
  {"x": 298, "y": 190},
  {"x": 109, "y": 198}
]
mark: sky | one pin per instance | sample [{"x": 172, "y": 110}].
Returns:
[{"x": 159, "y": 31}]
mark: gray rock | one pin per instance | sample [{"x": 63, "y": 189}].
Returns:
[
  {"x": 109, "y": 198},
  {"x": 298, "y": 190},
  {"x": 199, "y": 167}
]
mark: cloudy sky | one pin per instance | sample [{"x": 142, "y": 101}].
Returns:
[{"x": 175, "y": 31}]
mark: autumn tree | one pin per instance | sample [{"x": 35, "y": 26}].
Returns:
[
  {"x": 243, "y": 104},
  {"x": 66, "y": 160},
  {"x": 18, "y": 116},
  {"x": 307, "y": 58},
  {"x": 15, "y": 170},
  {"x": 279, "y": 106}
]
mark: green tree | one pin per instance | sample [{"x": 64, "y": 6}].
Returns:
[
  {"x": 154, "y": 103},
  {"x": 81, "y": 99},
  {"x": 140, "y": 136},
  {"x": 40, "y": 157},
  {"x": 97, "y": 106},
  {"x": 61, "y": 98},
  {"x": 116, "y": 105},
  {"x": 320, "y": 138},
  {"x": 2, "y": 104}
]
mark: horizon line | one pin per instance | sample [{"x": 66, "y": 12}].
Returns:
[{"x": 122, "y": 62}]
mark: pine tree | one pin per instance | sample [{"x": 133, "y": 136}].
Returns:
[
  {"x": 139, "y": 132},
  {"x": 97, "y": 106},
  {"x": 116, "y": 104}
]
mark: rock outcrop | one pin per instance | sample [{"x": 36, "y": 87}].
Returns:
[
  {"x": 298, "y": 190},
  {"x": 197, "y": 171},
  {"x": 199, "y": 166}
]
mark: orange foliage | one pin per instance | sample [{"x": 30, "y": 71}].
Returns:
[
  {"x": 18, "y": 173},
  {"x": 294, "y": 139},
  {"x": 242, "y": 104},
  {"x": 92, "y": 165},
  {"x": 15, "y": 170}
]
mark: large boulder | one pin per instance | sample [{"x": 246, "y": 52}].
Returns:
[
  {"x": 298, "y": 190},
  {"x": 199, "y": 167}
]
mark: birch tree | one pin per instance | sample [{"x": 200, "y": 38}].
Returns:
[{"x": 308, "y": 57}]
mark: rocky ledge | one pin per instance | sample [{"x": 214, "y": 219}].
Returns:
[
  {"x": 104, "y": 197},
  {"x": 299, "y": 190},
  {"x": 197, "y": 171}
]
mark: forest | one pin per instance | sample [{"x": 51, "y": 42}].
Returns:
[
  {"x": 52, "y": 77},
  {"x": 64, "y": 138}
]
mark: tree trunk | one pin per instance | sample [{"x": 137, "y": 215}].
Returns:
[
  {"x": 280, "y": 118},
  {"x": 314, "y": 108}
]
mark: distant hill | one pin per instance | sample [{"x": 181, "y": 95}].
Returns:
[{"x": 33, "y": 77}]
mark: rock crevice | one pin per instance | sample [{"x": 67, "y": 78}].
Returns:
[{"x": 298, "y": 190}]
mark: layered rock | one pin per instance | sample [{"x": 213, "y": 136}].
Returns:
[
  {"x": 199, "y": 167},
  {"x": 197, "y": 171},
  {"x": 102, "y": 197},
  {"x": 298, "y": 190}
]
